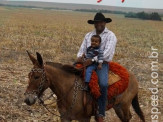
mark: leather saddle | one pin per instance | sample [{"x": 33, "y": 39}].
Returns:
[{"x": 78, "y": 71}]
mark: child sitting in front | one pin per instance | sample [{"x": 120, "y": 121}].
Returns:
[{"x": 93, "y": 52}]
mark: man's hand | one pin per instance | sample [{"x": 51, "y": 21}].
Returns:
[
  {"x": 87, "y": 62},
  {"x": 83, "y": 56},
  {"x": 99, "y": 66},
  {"x": 79, "y": 60}
]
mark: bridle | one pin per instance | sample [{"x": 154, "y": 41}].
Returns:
[
  {"x": 41, "y": 85},
  {"x": 77, "y": 86}
]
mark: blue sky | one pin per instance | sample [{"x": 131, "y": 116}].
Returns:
[{"x": 158, "y": 4}]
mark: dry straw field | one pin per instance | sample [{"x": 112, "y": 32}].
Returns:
[{"x": 57, "y": 35}]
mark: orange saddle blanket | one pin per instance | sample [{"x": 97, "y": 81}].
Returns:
[{"x": 118, "y": 81}]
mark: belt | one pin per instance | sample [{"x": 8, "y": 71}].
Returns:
[{"x": 105, "y": 62}]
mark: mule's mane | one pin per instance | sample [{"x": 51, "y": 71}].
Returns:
[
  {"x": 65, "y": 67},
  {"x": 54, "y": 64}
]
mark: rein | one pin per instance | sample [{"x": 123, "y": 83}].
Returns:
[{"x": 77, "y": 86}]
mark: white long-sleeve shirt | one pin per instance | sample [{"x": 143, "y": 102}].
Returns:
[{"x": 108, "y": 44}]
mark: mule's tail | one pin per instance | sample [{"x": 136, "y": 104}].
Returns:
[{"x": 136, "y": 106}]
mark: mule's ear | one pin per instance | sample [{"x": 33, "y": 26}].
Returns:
[
  {"x": 32, "y": 58},
  {"x": 39, "y": 59}
]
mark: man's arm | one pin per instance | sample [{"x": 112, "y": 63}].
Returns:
[
  {"x": 100, "y": 59},
  {"x": 100, "y": 56},
  {"x": 83, "y": 48},
  {"x": 110, "y": 47}
]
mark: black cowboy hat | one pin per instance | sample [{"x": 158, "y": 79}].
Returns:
[{"x": 99, "y": 17}]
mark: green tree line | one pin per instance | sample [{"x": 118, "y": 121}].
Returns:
[
  {"x": 100, "y": 10},
  {"x": 145, "y": 16}
]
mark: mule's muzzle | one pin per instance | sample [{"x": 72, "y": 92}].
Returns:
[{"x": 30, "y": 99}]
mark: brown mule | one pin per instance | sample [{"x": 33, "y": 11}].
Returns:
[{"x": 68, "y": 88}]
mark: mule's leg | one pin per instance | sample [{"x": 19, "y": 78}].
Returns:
[
  {"x": 130, "y": 115},
  {"x": 65, "y": 120},
  {"x": 119, "y": 112},
  {"x": 85, "y": 120},
  {"x": 126, "y": 112},
  {"x": 127, "y": 115},
  {"x": 123, "y": 112}
]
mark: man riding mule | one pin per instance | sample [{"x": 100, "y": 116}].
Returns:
[
  {"x": 70, "y": 88},
  {"x": 108, "y": 44}
]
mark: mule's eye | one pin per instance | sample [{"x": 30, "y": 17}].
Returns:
[{"x": 36, "y": 77}]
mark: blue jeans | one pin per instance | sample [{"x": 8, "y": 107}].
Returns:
[
  {"x": 89, "y": 71},
  {"x": 103, "y": 83}
]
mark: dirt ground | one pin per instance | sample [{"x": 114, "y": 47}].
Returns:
[{"x": 57, "y": 36}]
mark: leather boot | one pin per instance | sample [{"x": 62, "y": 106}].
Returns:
[{"x": 100, "y": 119}]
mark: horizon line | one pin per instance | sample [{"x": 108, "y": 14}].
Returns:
[{"x": 80, "y": 4}]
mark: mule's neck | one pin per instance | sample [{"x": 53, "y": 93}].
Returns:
[{"x": 60, "y": 82}]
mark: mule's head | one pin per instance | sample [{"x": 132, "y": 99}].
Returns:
[{"x": 37, "y": 80}]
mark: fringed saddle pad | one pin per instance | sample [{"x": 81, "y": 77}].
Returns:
[{"x": 118, "y": 81}]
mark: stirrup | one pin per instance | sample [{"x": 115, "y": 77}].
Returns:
[{"x": 86, "y": 88}]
